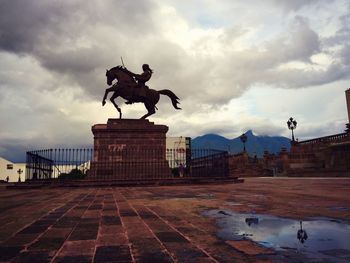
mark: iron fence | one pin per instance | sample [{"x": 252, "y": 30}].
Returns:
[
  {"x": 54, "y": 163},
  {"x": 120, "y": 164}
]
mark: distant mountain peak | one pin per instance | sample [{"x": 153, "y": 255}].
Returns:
[
  {"x": 254, "y": 145},
  {"x": 249, "y": 132},
  {"x": 211, "y": 135}
]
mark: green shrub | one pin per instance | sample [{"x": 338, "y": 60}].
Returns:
[{"x": 74, "y": 174}]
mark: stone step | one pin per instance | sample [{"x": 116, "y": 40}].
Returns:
[{"x": 144, "y": 182}]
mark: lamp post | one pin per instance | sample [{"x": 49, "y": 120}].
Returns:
[
  {"x": 244, "y": 139},
  {"x": 292, "y": 125}
]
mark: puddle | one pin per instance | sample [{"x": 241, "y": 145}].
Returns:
[
  {"x": 317, "y": 238},
  {"x": 340, "y": 208}
]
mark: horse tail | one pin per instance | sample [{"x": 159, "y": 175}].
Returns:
[{"x": 172, "y": 96}]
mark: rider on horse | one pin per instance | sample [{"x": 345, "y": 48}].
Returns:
[
  {"x": 131, "y": 87},
  {"x": 141, "y": 82}
]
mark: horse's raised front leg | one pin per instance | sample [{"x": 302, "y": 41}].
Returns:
[
  {"x": 151, "y": 110},
  {"x": 106, "y": 93},
  {"x": 112, "y": 99}
]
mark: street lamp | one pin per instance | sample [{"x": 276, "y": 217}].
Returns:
[
  {"x": 292, "y": 125},
  {"x": 244, "y": 139}
]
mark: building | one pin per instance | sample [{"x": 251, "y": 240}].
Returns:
[
  {"x": 327, "y": 156},
  {"x": 178, "y": 150},
  {"x": 13, "y": 171},
  {"x": 324, "y": 156},
  {"x": 181, "y": 143}
]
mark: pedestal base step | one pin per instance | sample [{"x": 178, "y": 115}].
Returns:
[{"x": 121, "y": 183}]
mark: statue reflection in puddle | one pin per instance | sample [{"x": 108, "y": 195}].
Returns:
[
  {"x": 252, "y": 220},
  {"x": 301, "y": 234}
]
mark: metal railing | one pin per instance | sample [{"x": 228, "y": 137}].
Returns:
[
  {"x": 125, "y": 164},
  {"x": 326, "y": 139}
]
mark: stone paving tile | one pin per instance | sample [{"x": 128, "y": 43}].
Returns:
[
  {"x": 9, "y": 252},
  {"x": 92, "y": 214},
  {"x": 216, "y": 248},
  {"x": 109, "y": 208},
  {"x": 95, "y": 207},
  {"x": 250, "y": 248},
  {"x": 32, "y": 229},
  {"x": 113, "y": 254},
  {"x": 109, "y": 213},
  {"x": 76, "y": 248},
  {"x": 84, "y": 232},
  {"x": 112, "y": 240},
  {"x": 147, "y": 252},
  {"x": 33, "y": 256},
  {"x": 125, "y": 213},
  {"x": 147, "y": 245},
  {"x": 48, "y": 244},
  {"x": 182, "y": 249},
  {"x": 152, "y": 224},
  {"x": 157, "y": 225},
  {"x": 141, "y": 233},
  {"x": 173, "y": 241},
  {"x": 186, "y": 253},
  {"x": 20, "y": 239},
  {"x": 173, "y": 236},
  {"x": 157, "y": 256},
  {"x": 110, "y": 220},
  {"x": 73, "y": 259},
  {"x": 111, "y": 229},
  {"x": 88, "y": 221}
]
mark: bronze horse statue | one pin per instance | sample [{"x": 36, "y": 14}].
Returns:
[{"x": 127, "y": 88}]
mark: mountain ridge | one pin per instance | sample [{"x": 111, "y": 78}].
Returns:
[{"x": 255, "y": 145}]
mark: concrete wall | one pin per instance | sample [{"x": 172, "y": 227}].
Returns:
[
  {"x": 176, "y": 142},
  {"x": 8, "y": 168},
  {"x": 177, "y": 155}
]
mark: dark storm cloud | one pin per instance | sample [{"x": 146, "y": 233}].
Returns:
[
  {"x": 239, "y": 70},
  {"x": 299, "y": 45},
  {"x": 342, "y": 35},
  {"x": 78, "y": 40},
  {"x": 345, "y": 55},
  {"x": 53, "y": 56},
  {"x": 26, "y": 26},
  {"x": 62, "y": 35},
  {"x": 73, "y": 60}
]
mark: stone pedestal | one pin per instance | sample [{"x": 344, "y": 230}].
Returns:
[{"x": 129, "y": 149}]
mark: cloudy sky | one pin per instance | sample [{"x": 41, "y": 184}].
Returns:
[{"x": 236, "y": 65}]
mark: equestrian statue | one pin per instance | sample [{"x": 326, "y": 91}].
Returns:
[{"x": 132, "y": 87}]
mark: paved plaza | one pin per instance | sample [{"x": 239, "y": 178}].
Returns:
[{"x": 155, "y": 224}]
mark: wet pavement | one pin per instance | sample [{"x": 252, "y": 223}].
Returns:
[
  {"x": 313, "y": 239},
  {"x": 178, "y": 223}
]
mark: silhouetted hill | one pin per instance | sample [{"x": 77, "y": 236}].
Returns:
[{"x": 254, "y": 145}]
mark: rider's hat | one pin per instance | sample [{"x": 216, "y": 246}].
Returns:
[{"x": 146, "y": 67}]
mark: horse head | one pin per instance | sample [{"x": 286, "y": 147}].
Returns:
[
  {"x": 118, "y": 73},
  {"x": 110, "y": 76}
]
